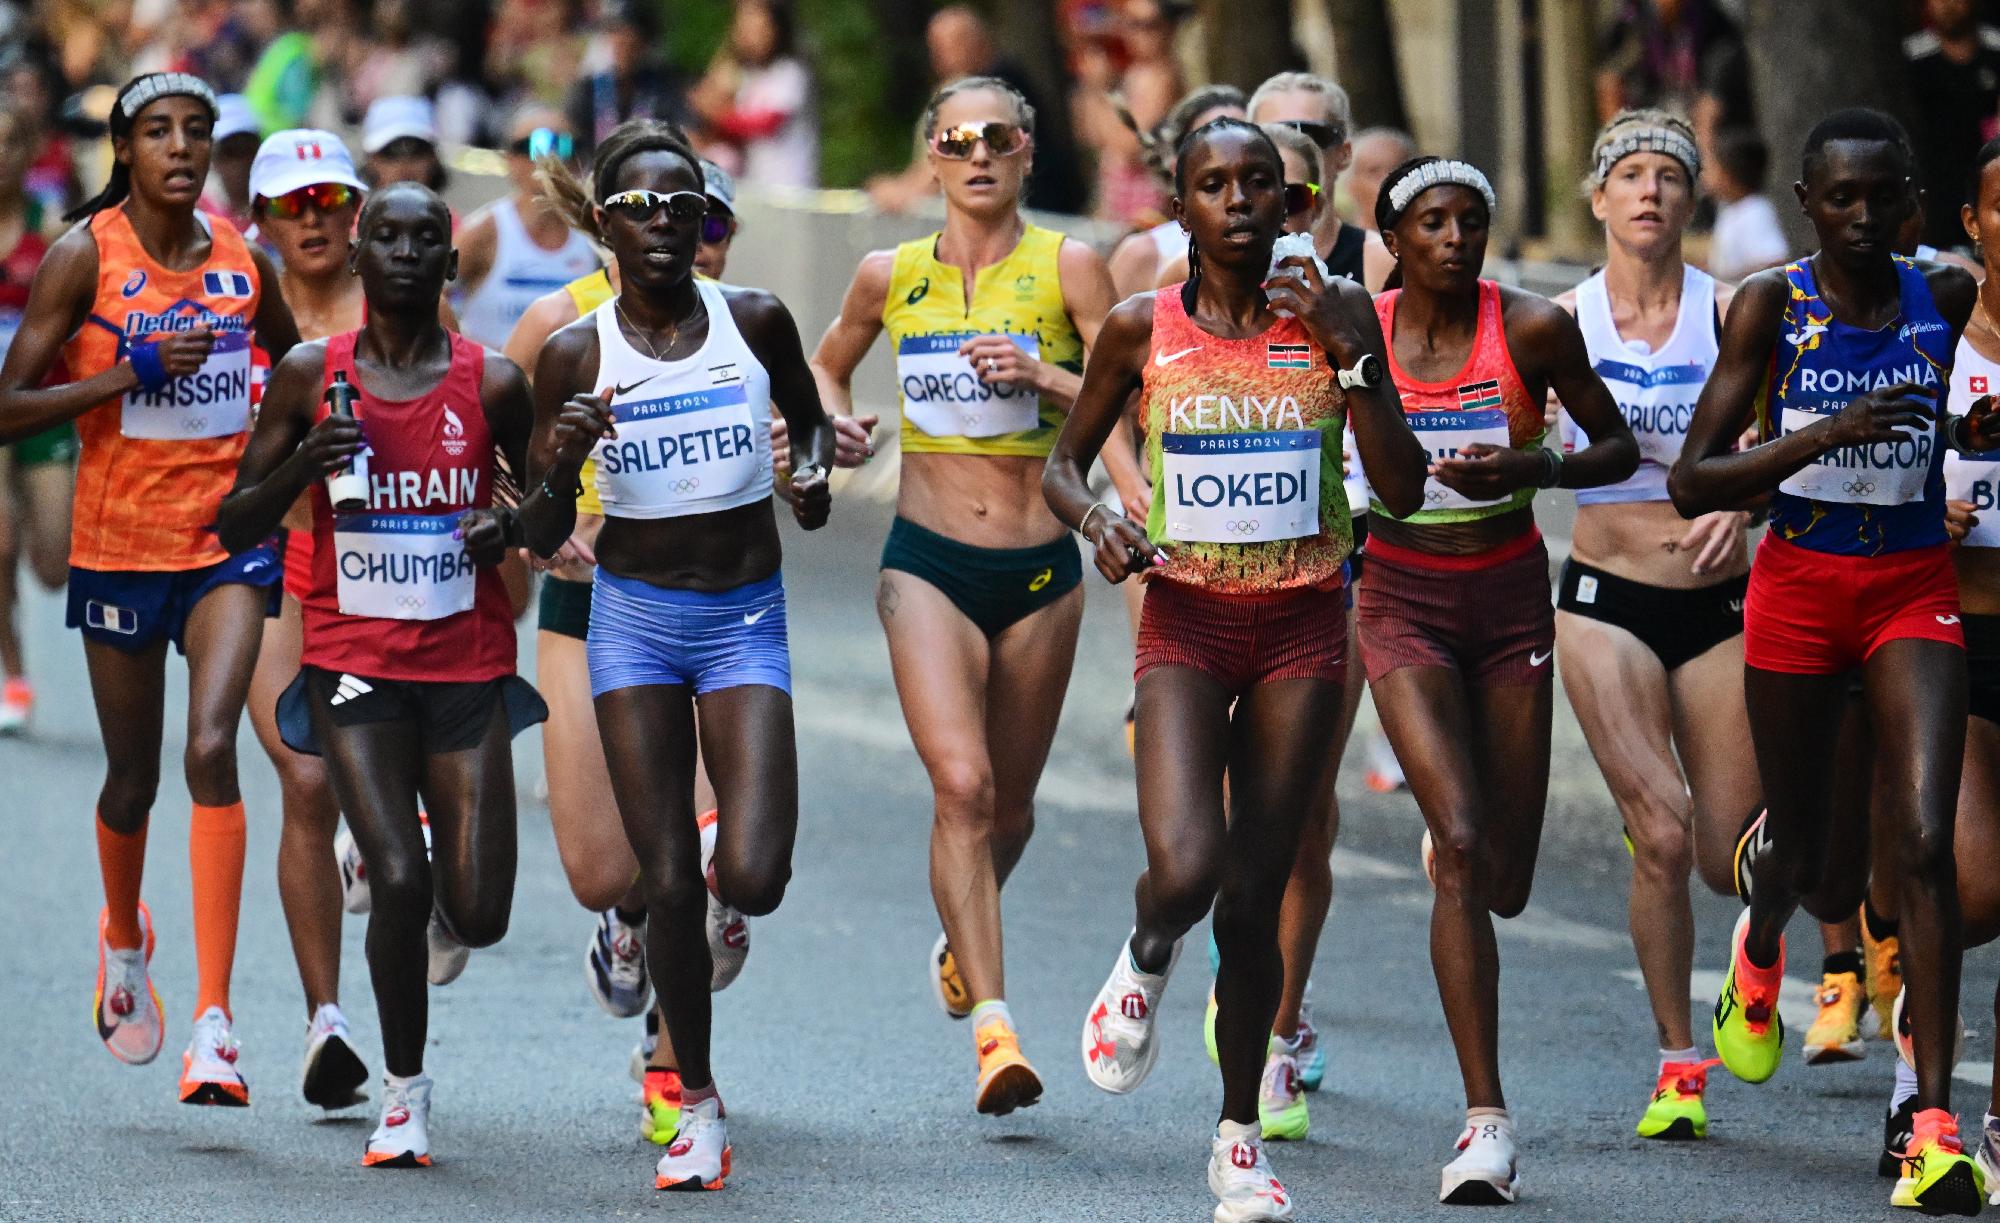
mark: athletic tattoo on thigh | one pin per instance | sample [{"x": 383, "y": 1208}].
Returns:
[{"x": 886, "y": 598}]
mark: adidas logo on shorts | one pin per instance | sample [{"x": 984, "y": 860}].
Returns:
[{"x": 348, "y": 688}]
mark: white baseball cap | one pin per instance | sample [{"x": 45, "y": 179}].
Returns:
[
  {"x": 391, "y": 119},
  {"x": 233, "y": 117},
  {"x": 300, "y": 157},
  {"x": 718, "y": 185}
]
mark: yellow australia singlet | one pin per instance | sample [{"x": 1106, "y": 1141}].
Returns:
[
  {"x": 946, "y": 408},
  {"x": 589, "y": 292}
]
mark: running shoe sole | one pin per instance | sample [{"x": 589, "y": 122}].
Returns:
[
  {"x": 408, "y": 1159},
  {"x": 218, "y": 1095},
  {"x": 694, "y": 1184},
  {"x": 1955, "y": 1193},
  {"x": 1481, "y": 1193},
  {"x": 1680, "y": 1129},
  {"x": 1833, "y": 1055},
  {"x": 334, "y": 1075},
  {"x": 1012, "y": 1086},
  {"x": 1749, "y": 841},
  {"x": 597, "y": 981}
]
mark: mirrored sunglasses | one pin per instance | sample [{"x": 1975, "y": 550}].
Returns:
[
  {"x": 1002, "y": 139},
  {"x": 640, "y": 205},
  {"x": 325, "y": 197}
]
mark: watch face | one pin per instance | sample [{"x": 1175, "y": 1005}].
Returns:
[{"x": 1368, "y": 370}]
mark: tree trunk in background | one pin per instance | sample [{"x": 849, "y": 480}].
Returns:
[
  {"x": 1807, "y": 58},
  {"x": 1250, "y": 40},
  {"x": 1365, "y": 50}
]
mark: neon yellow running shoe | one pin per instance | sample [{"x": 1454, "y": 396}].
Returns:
[
  {"x": 1749, "y": 1036},
  {"x": 1208, "y": 1029},
  {"x": 1937, "y": 1176},
  {"x": 1835, "y": 1035},
  {"x": 1676, "y": 1113},
  {"x": 660, "y": 1098},
  {"x": 1281, "y": 1102}
]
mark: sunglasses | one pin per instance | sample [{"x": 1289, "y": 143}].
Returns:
[
  {"x": 1325, "y": 135},
  {"x": 1002, "y": 139},
  {"x": 325, "y": 197},
  {"x": 717, "y": 227},
  {"x": 639, "y": 205},
  {"x": 1300, "y": 198},
  {"x": 545, "y": 142}
]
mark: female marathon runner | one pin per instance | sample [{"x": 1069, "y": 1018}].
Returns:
[
  {"x": 979, "y": 594},
  {"x": 1841, "y": 359},
  {"x": 305, "y": 194},
  {"x": 1453, "y": 603},
  {"x": 152, "y": 308},
  {"x": 687, "y": 620},
  {"x": 1242, "y": 650},
  {"x": 37, "y": 474},
  {"x": 407, "y": 686},
  {"x": 1319, "y": 109},
  {"x": 1649, "y": 612}
]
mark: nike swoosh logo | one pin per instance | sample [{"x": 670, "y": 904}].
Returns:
[
  {"x": 1168, "y": 358},
  {"x": 750, "y": 618},
  {"x": 1536, "y": 660},
  {"x": 627, "y": 390}
]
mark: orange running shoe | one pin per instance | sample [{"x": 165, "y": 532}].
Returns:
[
  {"x": 1006, "y": 1080},
  {"x": 1937, "y": 1176}
]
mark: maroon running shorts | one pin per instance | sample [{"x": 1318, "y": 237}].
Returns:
[
  {"x": 1244, "y": 639},
  {"x": 1488, "y": 615}
]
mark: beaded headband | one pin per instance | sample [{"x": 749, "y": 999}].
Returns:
[
  {"x": 1649, "y": 140},
  {"x": 1440, "y": 174},
  {"x": 166, "y": 85}
]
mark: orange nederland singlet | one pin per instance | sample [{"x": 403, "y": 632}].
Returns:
[{"x": 155, "y": 465}]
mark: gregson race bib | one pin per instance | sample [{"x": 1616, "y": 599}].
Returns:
[
  {"x": 687, "y": 447},
  {"x": 402, "y": 566},
  {"x": 1884, "y": 473},
  {"x": 1240, "y": 488},
  {"x": 943, "y": 396},
  {"x": 1446, "y": 434},
  {"x": 214, "y": 401}
]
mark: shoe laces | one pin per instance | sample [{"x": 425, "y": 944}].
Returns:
[
  {"x": 995, "y": 1037},
  {"x": 213, "y": 1038},
  {"x": 1935, "y": 1127},
  {"x": 1684, "y": 1078},
  {"x": 696, "y": 1122},
  {"x": 1281, "y": 1078},
  {"x": 397, "y": 1103}
]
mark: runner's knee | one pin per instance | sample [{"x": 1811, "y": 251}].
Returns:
[
  {"x": 1183, "y": 888},
  {"x": 482, "y": 921},
  {"x": 964, "y": 789},
  {"x": 399, "y": 887},
  {"x": 210, "y": 759},
  {"x": 129, "y": 791}
]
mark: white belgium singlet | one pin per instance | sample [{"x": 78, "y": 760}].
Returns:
[
  {"x": 1656, "y": 390},
  {"x": 1974, "y": 477},
  {"x": 694, "y": 435}
]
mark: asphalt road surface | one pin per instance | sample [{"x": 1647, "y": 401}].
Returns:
[{"x": 850, "y": 1095}]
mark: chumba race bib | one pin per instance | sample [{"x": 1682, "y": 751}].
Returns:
[{"x": 402, "y": 566}]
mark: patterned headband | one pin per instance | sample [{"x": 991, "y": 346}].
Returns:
[
  {"x": 159, "y": 85},
  {"x": 1649, "y": 140},
  {"x": 1440, "y": 174}
]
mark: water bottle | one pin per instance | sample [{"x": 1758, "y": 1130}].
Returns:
[{"x": 348, "y": 487}]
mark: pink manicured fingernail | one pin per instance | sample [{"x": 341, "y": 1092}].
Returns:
[{"x": 1159, "y": 559}]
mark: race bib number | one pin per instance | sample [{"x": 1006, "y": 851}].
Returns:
[
  {"x": 681, "y": 448},
  {"x": 1444, "y": 435},
  {"x": 1885, "y": 473},
  {"x": 402, "y": 566},
  {"x": 1241, "y": 488},
  {"x": 214, "y": 401},
  {"x": 1974, "y": 477},
  {"x": 943, "y": 396}
]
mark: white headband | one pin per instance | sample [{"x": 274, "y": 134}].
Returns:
[
  {"x": 1440, "y": 174},
  {"x": 166, "y": 85},
  {"x": 1650, "y": 140}
]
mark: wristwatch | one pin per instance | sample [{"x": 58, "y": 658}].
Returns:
[{"x": 1366, "y": 374}]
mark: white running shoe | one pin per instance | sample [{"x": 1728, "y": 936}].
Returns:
[
  {"x": 208, "y": 1068},
  {"x": 333, "y": 1072},
  {"x": 1240, "y": 1178},
  {"x": 1486, "y": 1172},
  {"x": 354, "y": 896},
  {"x": 728, "y": 930},
  {"x": 1906, "y": 1041},
  {"x": 403, "y": 1140},
  {"x": 448, "y": 955},
  {"x": 130, "y": 1020},
  {"x": 699, "y": 1155},
  {"x": 614, "y": 964},
  {"x": 947, "y": 983},
  {"x": 1988, "y": 1158},
  {"x": 1120, "y": 1040}
]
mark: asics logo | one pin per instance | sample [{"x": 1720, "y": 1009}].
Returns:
[
  {"x": 348, "y": 688},
  {"x": 1041, "y": 579},
  {"x": 1537, "y": 658},
  {"x": 1133, "y": 1005},
  {"x": 1168, "y": 358},
  {"x": 1947, "y": 621},
  {"x": 750, "y": 618},
  {"x": 1243, "y": 1155}
]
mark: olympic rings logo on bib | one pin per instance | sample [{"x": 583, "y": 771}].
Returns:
[
  {"x": 1860, "y": 488},
  {"x": 1243, "y": 527},
  {"x": 684, "y": 486}
]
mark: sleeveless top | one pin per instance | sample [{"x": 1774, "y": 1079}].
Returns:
[
  {"x": 946, "y": 408},
  {"x": 156, "y": 464},
  {"x": 1484, "y": 402},
  {"x": 1974, "y": 477},
  {"x": 1243, "y": 440},
  {"x": 522, "y": 272},
  {"x": 1345, "y": 259},
  {"x": 587, "y": 293},
  {"x": 394, "y": 595},
  {"x": 1656, "y": 391},
  {"x": 1861, "y": 500},
  {"x": 694, "y": 435},
  {"x": 1170, "y": 241}
]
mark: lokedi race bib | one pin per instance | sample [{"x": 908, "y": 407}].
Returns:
[
  {"x": 1241, "y": 488},
  {"x": 402, "y": 566},
  {"x": 1974, "y": 478},
  {"x": 943, "y": 396},
  {"x": 214, "y": 401},
  {"x": 1882, "y": 473},
  {"x": 1445, "y": 435},
  {"x": 688, "y": 447}
]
